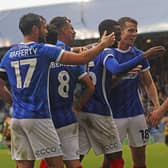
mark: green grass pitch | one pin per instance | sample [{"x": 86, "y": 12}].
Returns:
[{"x": 157, "y": 157}]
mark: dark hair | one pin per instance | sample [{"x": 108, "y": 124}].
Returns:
[
  {"x": 27, "y": 22},
  {"x": 60, "y": 22},
  {"x": 108, "y": 25},
  {"x": 125, "y": 19},
  {"x": 52, "y": 34}
]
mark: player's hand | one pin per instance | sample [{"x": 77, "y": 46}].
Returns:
[
  {"x": 76, "y": 109},
  {"x": 154, "y": 117},
  {"x": 108, "y": 40},
  {"x": 154, "y": 51},
  {"x": 135, "y": 70}
]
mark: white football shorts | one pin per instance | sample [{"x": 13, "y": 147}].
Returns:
[
  {"x": 69, "y": 137},
  {"x": 135, "y": 128},
  {"x": 99, "y": 132},
  {"x": 33, "y": 139}
]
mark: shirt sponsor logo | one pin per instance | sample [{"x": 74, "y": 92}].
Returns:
[{"x": 56, "y": 65}]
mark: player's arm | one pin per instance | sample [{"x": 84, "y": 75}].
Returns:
[
  {"x": 83, "y": 48},
  {"x": 78, "y": 49},
  {"x": 148, "y": 82},
  {"x": 86, "y": 93},
  {"x": 4, "y": 92},
  {"x": 154, "y": 51},
  {"x": 85, "y": 56},
  {"x": 116, "y": 68},
  {"x": 155, "y": 116}
]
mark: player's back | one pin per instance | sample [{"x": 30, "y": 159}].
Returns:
[
  {"x": 63, "y": 80},
  {"x": 101, "y": 77},
  {"x": 27, "y": 66}
]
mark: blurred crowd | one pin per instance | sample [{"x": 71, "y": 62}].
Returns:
[{"x": 159, "y": 70}]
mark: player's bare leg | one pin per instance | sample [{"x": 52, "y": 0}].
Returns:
[
  {"x": 25, "y": 163},
  {"x": 55, "y": 162},
  {"x": 73, "y": 164},
  {"x": 138, "y": 156}
]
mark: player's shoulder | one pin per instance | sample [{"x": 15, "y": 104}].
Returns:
[
  {"x": 48, "y": 48},
  {"x": 62, "y": 45},
  {"x": 108, "y": 51},
  {"x": 47, "y": 45},
  {"x": 26, "y": 46},
  {"x": 12, "y": 48},
  {"x": 136, "y": 50}
]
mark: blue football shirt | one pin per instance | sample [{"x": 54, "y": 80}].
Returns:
[
  {"x": 101, "y": 70},
  {"x": 63, "y": 80},
  {"x": 27, "y": 67},
  {"x": 125, "y": 99}
]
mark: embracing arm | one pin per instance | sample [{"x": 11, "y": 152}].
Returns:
[
  {"x": 85, "y": 56},
  {"x": 86, "y": 94},
  {"x": 117, "y": 68},
  {"x": 155, "y": 116}
]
